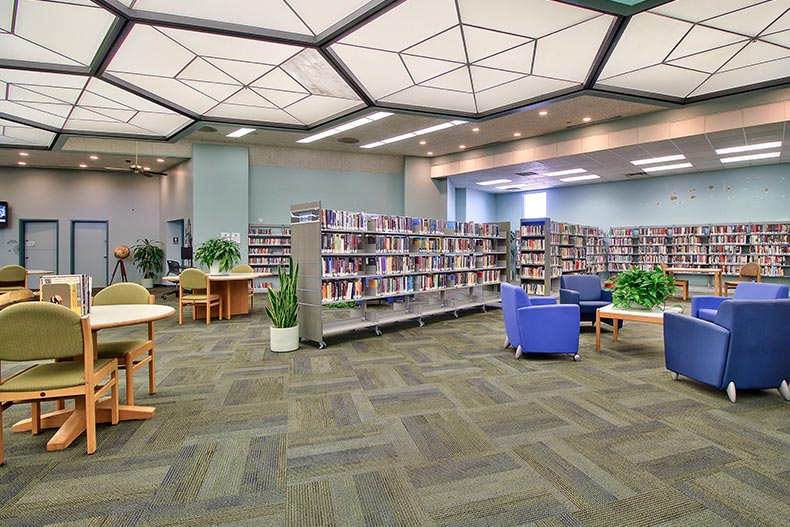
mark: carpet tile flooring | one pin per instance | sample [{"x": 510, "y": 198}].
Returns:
[{"x": 433, "y": 426}]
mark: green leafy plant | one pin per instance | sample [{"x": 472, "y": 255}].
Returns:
[
  {"x": 641, "y": 287},
  {"x": 283, "y": 303},
  {"x": 223, "y": 251},
  {"x": 148, "y": 256}
]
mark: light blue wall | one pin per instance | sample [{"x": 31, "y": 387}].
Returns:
[
  {"x": 220, "y": 181},
  {"x": 273, "y": 190},
  {"x": 480, "y": 206},
  {"x": 736, "y": 195},
  {"x": 452, "y": 209},
  {"x": 460, "y": 204}
]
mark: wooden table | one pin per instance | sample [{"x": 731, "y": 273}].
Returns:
[
  {"x": 232, "y": 287},
  {"x": 71, "y": 421},
  {"x": 635, "y": 315},
  {"x": 715, "y": 271}
]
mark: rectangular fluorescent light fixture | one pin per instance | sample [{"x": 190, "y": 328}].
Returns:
[
  {"x": 241, "y": 132},
  {"x": 566, "y": 172},
  {"x": 580, "y": 178},
  {"x": 423, "y": 131},
  {"x": 495, "y": 182},
  {"x": 750, "y": 157},
  {"x": 345, "y": 127},
  {"x": 664, "y": 159},
  {"x": 748, "y": 148},
  {"x": 667, "y": 167}
]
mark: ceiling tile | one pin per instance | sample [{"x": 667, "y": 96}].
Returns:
[{"x": 14, "y": 134}]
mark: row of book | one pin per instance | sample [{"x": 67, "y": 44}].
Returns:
[
  {"x": 270, "y": 250},
  {"x": 340, "y": 243},
  {"x": 340, "y": 266},
  {"x": 343, "y": 220},
  {"x": 269, "y": 241},
  {"x": 68, "y": 290},
  {"x": 341, "y": 290},
  {"x": 259, "y": 231}
]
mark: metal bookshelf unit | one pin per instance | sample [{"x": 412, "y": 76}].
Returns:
[
  {"x": 269, "y": 247},
  {"x": 418, "y": 267}
]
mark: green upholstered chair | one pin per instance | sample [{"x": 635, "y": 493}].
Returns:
[
  {"x": 132, "y": 354},
  {"x": 40, "y": 331},
  {"x": 198, "y": 282},
  {"x": 244, "y": 268},
  {"x": 12, "y": 278}
]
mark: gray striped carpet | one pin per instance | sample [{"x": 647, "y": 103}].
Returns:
[{"x": 433, "y": 426}]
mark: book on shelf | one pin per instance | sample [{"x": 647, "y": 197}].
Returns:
[{"x": 72, "y": 291}]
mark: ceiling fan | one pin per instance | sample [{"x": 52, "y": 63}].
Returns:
[{"x": 137, "y": 168}]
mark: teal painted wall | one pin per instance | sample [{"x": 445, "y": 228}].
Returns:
[
  {"x": 480, "y": 206},
  {"x": 273, "y": 190},
  {"x": 220, "y": 185},
  {"x": 460, "y": 204}
]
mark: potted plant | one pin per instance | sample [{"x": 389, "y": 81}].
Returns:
[
  {"x": 635, "y": 288},
  {"x": 147, "y": 256},
  {"x": 282, "y": 310},
  {"x": 218, "y": 254}
]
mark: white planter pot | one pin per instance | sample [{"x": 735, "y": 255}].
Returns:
[
  {"x": 213, "y": 268},
  {"x": 283, "y": 339},
  {"x": 148, "y": 283}
]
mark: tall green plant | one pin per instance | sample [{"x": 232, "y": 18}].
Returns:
[
  {"x": 642, "y": 287},
  {"x": 223, "y": 251},
  {"x": 283, "y": 303},
  {"x": 147, "y": 256}
]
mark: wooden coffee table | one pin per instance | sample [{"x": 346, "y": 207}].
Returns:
[{"x": 635, "y": 315}]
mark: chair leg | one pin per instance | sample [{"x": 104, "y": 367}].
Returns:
[
  {"x": 674, "y": 375},
  {"x": 507, "y": 342},
  {"x": 90, "y": 417},
  {"x": 114, "y": 410},
  {"x": 208, "y": 313},
  {"x": 731, "y": 391},
  {"x": 35, "y": 417},
  {"x": 151, "y": 373},
  {"x": 129, "y": 366},
  {"x": 784, "y": 389},
  {"x": 519, "y": 352},
  {"x": 180, "y": 312},
  {"x": 1, "y": 436}
]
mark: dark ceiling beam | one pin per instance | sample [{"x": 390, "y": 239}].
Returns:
[
  {"x": 356, "y": 20},
  {"x": 616, "y": 8},
  {"x": 605, "y": 51}
]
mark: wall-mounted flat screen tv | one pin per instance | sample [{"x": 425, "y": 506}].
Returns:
[{"x": 3, "y": 214}]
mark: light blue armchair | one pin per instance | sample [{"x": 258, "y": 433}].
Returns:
[
  {"x": 705, "y": 307},
  {"x": 747, "y": 346},
  {"x": 538, "y": 325}
]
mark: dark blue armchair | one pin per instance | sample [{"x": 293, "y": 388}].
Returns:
[
  {"x": 585, "y": 291},
  {"x": 538, "y": 325},
  {"x": 705, "y": 307},
  {"x": 747, "y": 346}
]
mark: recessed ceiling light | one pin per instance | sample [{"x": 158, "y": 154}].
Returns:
[
  {"x": 160, "y": 160},
  {"x": 494, "y": 182},
  {"x": 430, "y": 153},
  {"x": 21, "y": 163},
  {"x": 664, "y": 159},
  {"x": 750, "y": 157},
  {"x": 423, "y": 142},
  {"x": 667, "y": 167},
  {"x": 94, "y": 157},
  {"x": 23, "y": 154},
  {"x": 543, "y": 112},
  {"x": 586, "y": 119},
  {"x": 240, "y": 132},
  {"x": 748, "y": 148},
  {"x": 345, "y": 127},
  {"x": 146, "y": 168},
  {"x": 461, "y": 146},
  {"x": 517, "y": 134},
  {"x": 423, "y": 131},
  {"x": 475, "y": 129},
  {"x": 83, "y": 165},
  {"x": 580, "y": 178},
  {"x": 566, "y": 172}
]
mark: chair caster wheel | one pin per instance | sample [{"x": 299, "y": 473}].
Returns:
[
  {"x": 577, "y": 357},
  {"x": 674, "y": 375}
]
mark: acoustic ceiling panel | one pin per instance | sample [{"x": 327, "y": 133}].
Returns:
[{"x": 15, "y": 134}]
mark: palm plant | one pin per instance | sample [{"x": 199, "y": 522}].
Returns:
[
  {"x": 148, "y": 255},
  {"x": 283, "y": 302}
]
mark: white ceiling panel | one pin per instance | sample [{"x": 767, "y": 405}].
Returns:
[
  {"x": 277, "y": 79},
  {"x": 14, "y": 48},
  {"x": 699, "y": 10},
  {"x": 482, "y": 43},
  {"x": 316, "y": 108},
  {"x": 148, "y": 51},
  {"x": 367, "y": 65},
  {"x": 776, "y": 69},
  {"x": 279, "y": 98},
  {"x": 243, "y": 72},
  {"x": 13, "y": 134},
  {"x": 783, "y": 38},
  {"x": 6, "y": 15},
  {"x": 47, "y": 94},
  {"x": 525, "y": 88},
  {"x": 315, "y": 74},
  {"x": 434, "y": 98},
  {"x": 751, "y": 20},
  {"x": 662, "y": 78},
  {"x": 186, "y": 96},
  {"x": 329, "y": 14},
  {"x": 447, "y": 45},
  {"x": 709, "y": 61},
  {"x": 756, "y": 52},
  {"x": 458, "y": 80},
  {"x": 222, "y": 46},
  {"x": 422, "y": 68},
  {"x": 569, "y": 54},
  {"x": 530, "y": 18},
  {"x": 160, "y": 123},
  {"x": 484, "y": 78},
  {"x": 201, "y": 70},
  {"x": 701, "y": 39},
  {"x": 252, "y": 113},
  {"x": 517, "y": 60},
  {"x": 249, "y": 97},
  {"x": 216, "y": 91},
  {"x": 781, "y": 24}
]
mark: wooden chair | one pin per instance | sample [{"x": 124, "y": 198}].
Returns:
[
  {"x": 198, "y": 282},
  {"x": 132, "y": 354},
  {"x": 12, "y": 278},
  {"x": 750, "y": 272},
  {"x": 38, "y": 331},
  {"x": 244, "y": 268},
  {"x": 682, "y": 284}
]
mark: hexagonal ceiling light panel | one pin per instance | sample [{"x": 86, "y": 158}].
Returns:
[
  {"x": 470, "y": 57},
  {"x": 219, "y": 77},
  {"x": 15, "y": 134},
  {"x": 65, "y": 33},
  {"x": 296, "y": 17},
  {"x": 692, "y": 48},
  {"x": 79, "y": 103}
]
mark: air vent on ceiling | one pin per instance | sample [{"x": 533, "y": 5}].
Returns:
[
  {"x": 525, "y": 174},
  {"x": 635, "y": 174},
  {"x": 348, "y": 140},
  {"x": 207, "y": 129}
]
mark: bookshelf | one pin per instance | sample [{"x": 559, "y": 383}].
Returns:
[
  {"x": 622, "y": 250},
  {"x": 652, "y": 247},
  {"x": 418, "y": 266},
  {"x": 269, "y": 247},
  {"x": 595, "y": 244}
]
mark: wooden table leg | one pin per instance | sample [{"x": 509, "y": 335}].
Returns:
[
  {"x": 717, "y": 283},
  {"x": 615, "y": 326},
  {"x": 598, "y": 330}
]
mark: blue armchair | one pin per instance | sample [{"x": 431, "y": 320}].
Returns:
[
  {"x": 705, "y": 307},
  {"x": 585, "y": 291},
  {"x": 538, "y": 325},
  {"x": 747, "y": 345}
]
